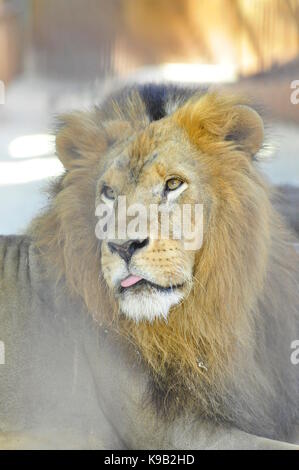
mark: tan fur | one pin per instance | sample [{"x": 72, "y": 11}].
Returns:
[{"x": 214, "y": 322}]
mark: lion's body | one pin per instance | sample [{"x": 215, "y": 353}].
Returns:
[
  {"x": 220, "y": 362},
  {"x": 44, "y": 382},
  {"x": 67, "y": 385}
]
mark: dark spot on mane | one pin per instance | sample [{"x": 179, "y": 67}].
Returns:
[{"x": 156, "y": 97}]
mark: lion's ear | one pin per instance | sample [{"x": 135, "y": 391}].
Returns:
[
  {"x": 79, "y": 137},
  {"x": 212, "y": 117},
  {"x": 84, "y": 136},
  {"x": 247, "y": 130}
]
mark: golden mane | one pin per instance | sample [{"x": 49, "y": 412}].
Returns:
[{"x": 207, "y": 340}]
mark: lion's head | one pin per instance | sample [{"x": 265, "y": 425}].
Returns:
[
  {"x": 165, "y": 167},
  {"x": 188, "y": 311}
]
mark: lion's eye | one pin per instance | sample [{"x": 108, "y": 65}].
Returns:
[
  {"x": 108, "y": 193},
  {"x": 173, "y": 183}
]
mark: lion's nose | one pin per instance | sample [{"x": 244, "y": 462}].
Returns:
[{"x": 127, "y": 249}]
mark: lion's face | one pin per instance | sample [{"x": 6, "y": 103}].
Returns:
[
  {"x": 148, "y": 273},
  {"x": 198, "y": 155}
]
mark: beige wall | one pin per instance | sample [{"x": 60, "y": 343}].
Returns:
[
  {"x": 114, "y": 36},
  {"x": 10, "y": 44}
]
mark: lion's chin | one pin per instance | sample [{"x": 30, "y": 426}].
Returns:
[{"x": 144, "y": 306}]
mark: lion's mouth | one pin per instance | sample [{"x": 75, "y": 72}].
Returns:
[
  {"x": 130, "y": 281},
  {"x": 136, "y": 282}
]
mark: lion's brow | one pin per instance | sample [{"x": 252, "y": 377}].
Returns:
[
  {"x": 137, "y": 171},
  {"x": 149, "y": 160}
]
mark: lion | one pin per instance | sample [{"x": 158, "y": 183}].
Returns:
[{"x": 139, "y": 342}]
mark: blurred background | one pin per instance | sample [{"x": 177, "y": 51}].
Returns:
[{"x": 58, "y": 55}]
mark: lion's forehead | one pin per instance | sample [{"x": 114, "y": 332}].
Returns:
[
  {"x": 142, "y": 182},
  {"x": 142, "y": 165}
]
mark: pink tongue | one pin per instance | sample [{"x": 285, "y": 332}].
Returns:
[{"x": 130, "y": 281}]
